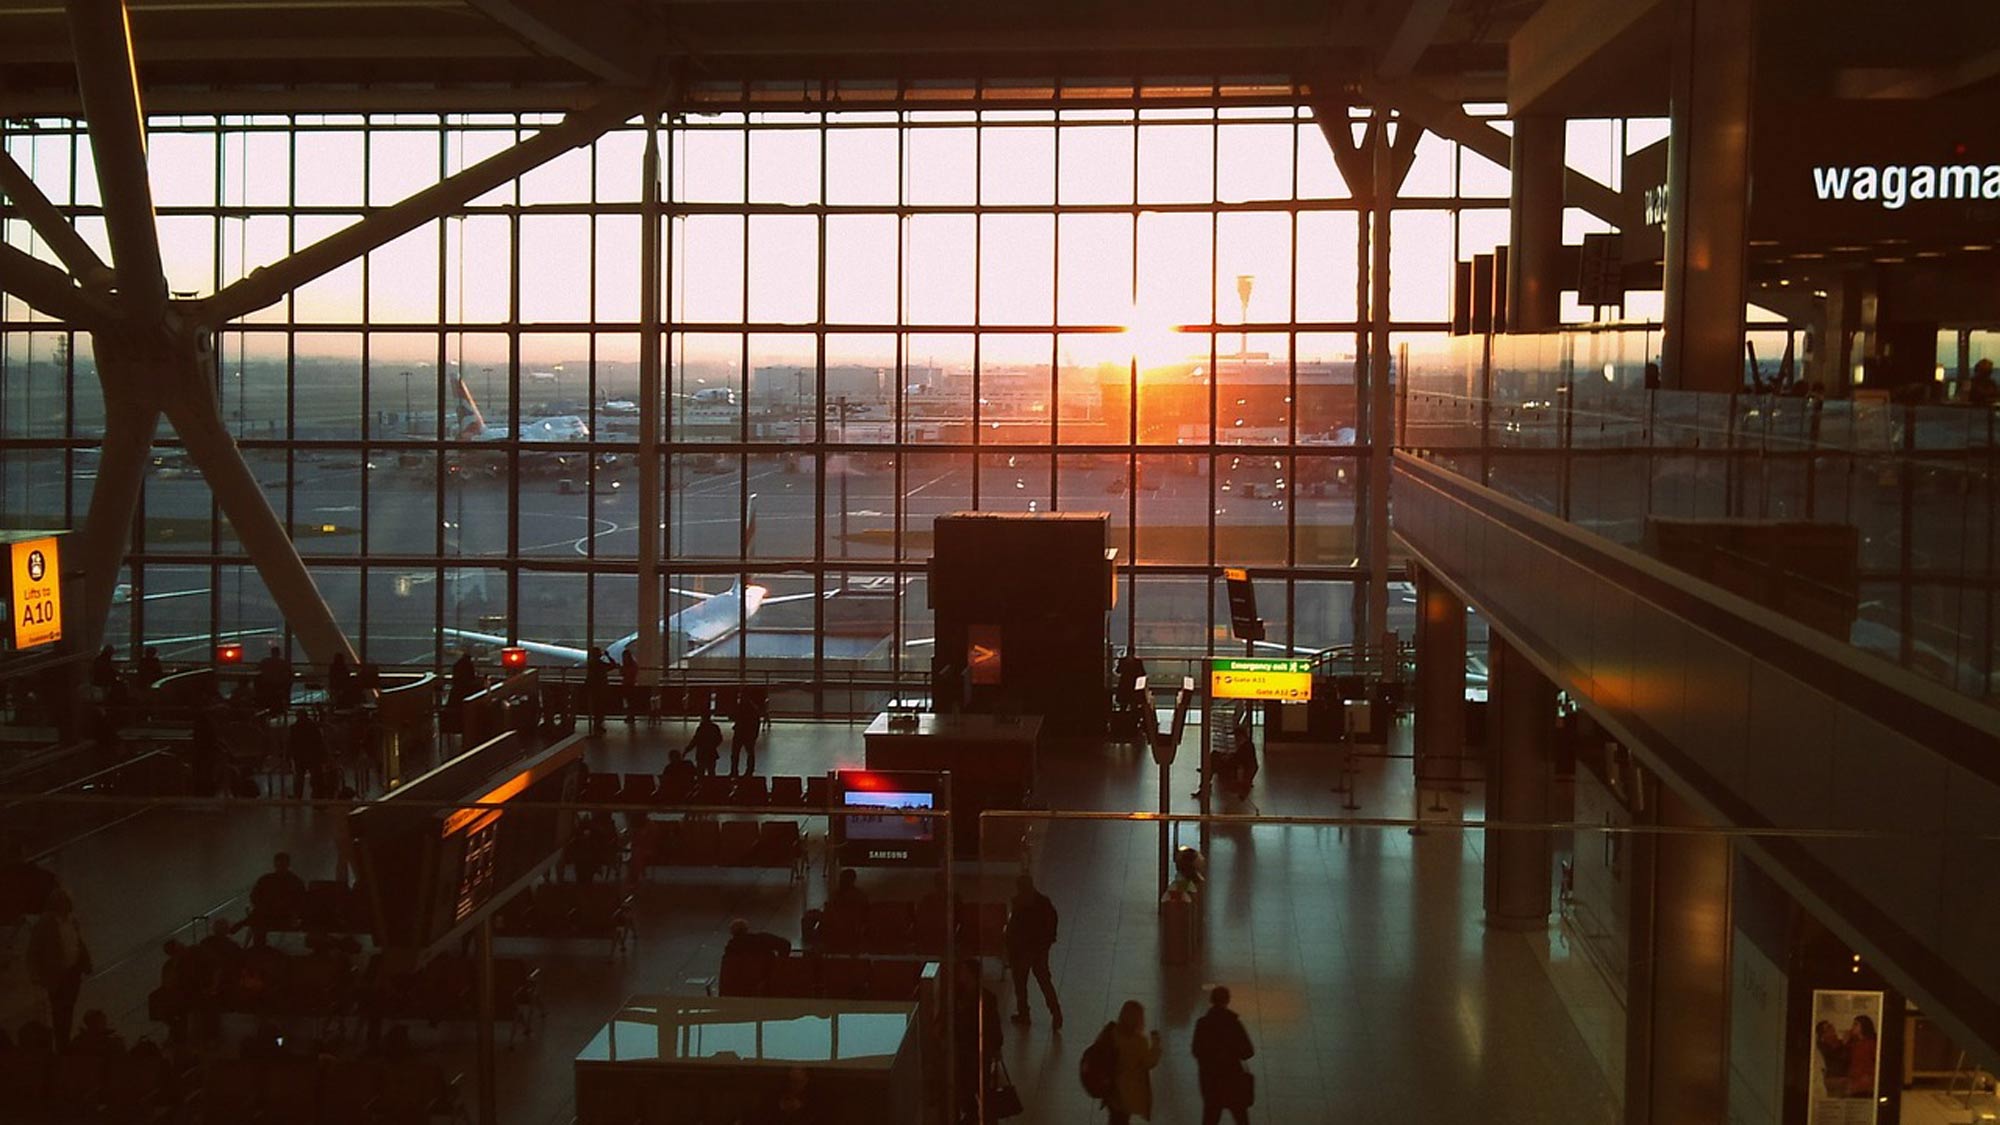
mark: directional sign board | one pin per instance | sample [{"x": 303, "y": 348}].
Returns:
[
  {"x": 35, "y": 601},
  {"x": 1288, "y": 680}
]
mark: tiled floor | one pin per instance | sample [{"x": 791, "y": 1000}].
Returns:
[{"x": 1358, "y": 957}]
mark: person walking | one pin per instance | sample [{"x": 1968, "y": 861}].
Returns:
[
  {"x": 597, "y": 687},
  {"x": 58, "y": 960},
  {"x": 1219, "y": 1048},
  {"x": 1031, "y": 930},
  {"x": 307, "y": 745},
  {"x": 706, "y": 745},
  {"x": 1138, "y": 1053},
  {"x": 746, "y": 721},
  {"x": 628, "y": 684}
]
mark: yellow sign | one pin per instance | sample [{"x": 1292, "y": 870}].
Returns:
[
  {"x": 37, "y": 599},
  {"x": 1286, "y": 680}
]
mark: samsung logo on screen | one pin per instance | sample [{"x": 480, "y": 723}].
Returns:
[
  {"x": 878, "y": 853},
  {"x": 1897, "y": 184}
]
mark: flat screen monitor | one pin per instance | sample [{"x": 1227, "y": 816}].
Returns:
[
  {"x": 890, "y": 826},
  {"x": 899, "y": 819}
]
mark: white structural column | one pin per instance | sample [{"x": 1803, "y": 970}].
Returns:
[{"x": 651, "y": 406}]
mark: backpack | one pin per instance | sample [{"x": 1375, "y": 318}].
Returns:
[{"x": 1099, "y": 1065}]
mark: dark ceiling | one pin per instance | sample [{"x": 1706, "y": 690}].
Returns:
[{"x": 545, "y": 51}]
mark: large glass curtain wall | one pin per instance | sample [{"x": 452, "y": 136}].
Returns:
[{"x": 873, "y": 318}]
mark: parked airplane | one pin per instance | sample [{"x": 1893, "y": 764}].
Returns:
[
  {"x": 121, "y": 594},
  {"x": 690, "y": 631},
  {"x": 472, "y": 425}
]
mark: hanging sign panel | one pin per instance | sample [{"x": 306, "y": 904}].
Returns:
[
  {"x": 1845, "y": 1066},
  {"x": 35, "y": 601},
  {"x": 1287, "y": 680}
]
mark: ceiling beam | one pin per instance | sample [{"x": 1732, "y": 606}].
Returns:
[
  {"x": 49, "y": 289},
  {"x": 602, "y": 38},
  {"x": 1451, "y": 122},
  {"x": 108, "y": 80},
  {"x": 1918, "y": 84},
  {"x": 51, "y": 225},
  {"x": 267, "y": 284},
  {"x": 1413, "y": 35}
]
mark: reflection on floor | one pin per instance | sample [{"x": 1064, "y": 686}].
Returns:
[
  {"x": 1928, "y": 1105},
  {"x": 1358, "y": 957}
]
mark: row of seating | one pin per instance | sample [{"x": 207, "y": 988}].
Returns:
[
  {"x": 262, "y": 981},
  {"x": 41, "y": 1086},
  {"x": 339, "y": 1092},
  {"x": 808, "y": 975},
  {"x": 564, "y": 910},
  {"x": 446, "y": 988},
  {"x": 700, "y": 842},
  {"x": 902, "y": 927},
  {"x": 330, "y": 907},
  {"x": 750, "y": 791}
]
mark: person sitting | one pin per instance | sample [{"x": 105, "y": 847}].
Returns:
[
  {"x": 744, "y": 940},
  {"x": 97, "y": 1038},
  {"x": 150, "y": 670},
  {"x": 276, "y": 899},
  {"x": 679, "y": 776},
  {"x": 848, "y": 895}
]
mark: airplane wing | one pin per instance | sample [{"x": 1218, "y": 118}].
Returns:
[
  {"x": 166, "y": 594},
  {"x": 783, "y": 598},
  {"x": 695, "y": 594},
  {"x": 539, "y": 648}
]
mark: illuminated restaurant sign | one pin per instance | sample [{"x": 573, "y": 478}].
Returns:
[{"x": 1897, "y": 184}]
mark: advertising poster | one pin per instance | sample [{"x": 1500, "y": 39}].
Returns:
[{"x": 1843, "y": 1059}]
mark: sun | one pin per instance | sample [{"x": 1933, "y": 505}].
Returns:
[{"x": 1153, "y": 341}]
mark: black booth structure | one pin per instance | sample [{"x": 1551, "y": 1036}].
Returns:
[{"x": 1022, "y": 603}]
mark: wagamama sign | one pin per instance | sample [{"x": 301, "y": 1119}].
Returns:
[{"x": 1895, "y": 185}]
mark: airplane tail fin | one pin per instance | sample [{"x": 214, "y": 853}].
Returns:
[
  {"x": 471, "y": 423},
  {"x": 750, "y": 525}
]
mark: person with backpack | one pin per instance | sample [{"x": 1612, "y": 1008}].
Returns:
[
  {"x": 1117, "y": 1067},
  {"x": 1219, "y": 1048},
  {"x": 1031, "y": 930}
]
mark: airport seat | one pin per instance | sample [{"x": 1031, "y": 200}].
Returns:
[
  {"x": 894, "y": 980},
  {"x": 664, "y": 842},
  {"x": 711, "y": 791},
  {"x": 75, "y": 1084},
  {"x": 743, "y": 974},
  {"x": 701, "y": 843},
  {"x": 291, "y": 1090},
  {"x": 891, "y": 927},
  {"x": 750, "y": 791},
  {"x": 843, "y": 978},
  {"x": 638, "y": 789},
  {"x": 817, "y": 791},
  {"x": 779, "y": 844},
  {"x": 737, "y": 840},
  {"x": 412, "y": 1093},
  {"x": 351, "y": 1089},
  {"x": 843, "y": 931},
  {"x": 135, "y": 1088},
  {"x": 231, "y": 1090},
  {"x": 787, "y": 792},
  {"x": 795, "y": 977},
  {"x": 24, "y": 1079},
  {"x": 673, "y": 791}
]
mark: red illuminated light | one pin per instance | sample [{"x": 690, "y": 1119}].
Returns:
[
  {"x": 513, "y": 658},
  {"x": 231, "y": 653}
]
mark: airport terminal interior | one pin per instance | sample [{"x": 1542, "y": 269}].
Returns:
[{"x": 722, "y": 562}]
